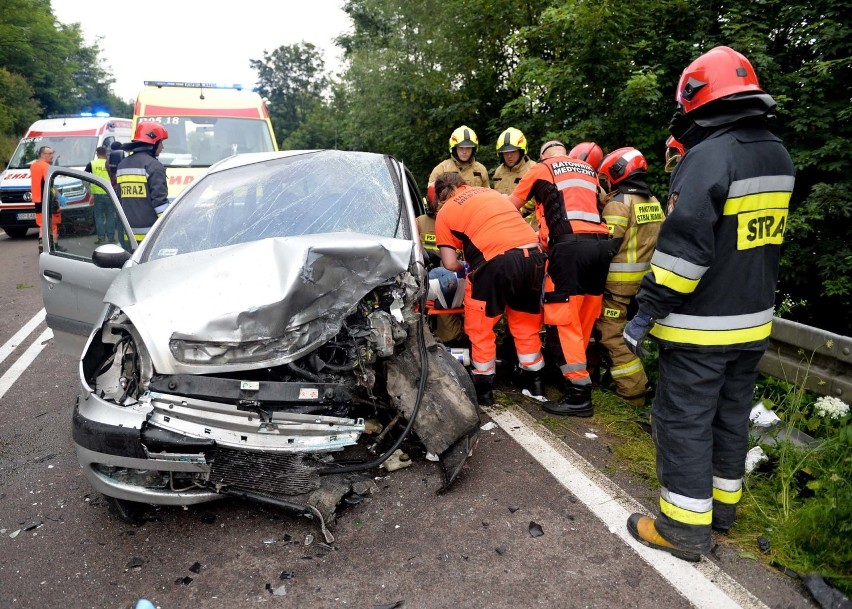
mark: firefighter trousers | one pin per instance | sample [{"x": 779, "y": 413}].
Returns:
[
  {"x": 700, "y": 428},
  {"x": 628, "y": 375}
]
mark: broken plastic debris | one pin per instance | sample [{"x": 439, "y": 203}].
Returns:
[
  {"x": 514, "y": 508},
  {"x": 287, "y": 575},
  {"x": 309, "y": 539},
  {"x": 184, "y": 580},
  {"x": 397, "y": 460},
  {"x": 280, "y": 590},
  {"x": 135, "y": 562},
  {"x": 754, "y": 457},
  {"x": 502, "y": 550},
  {"x": 762, "y": 417},
  {"x": 535, "y": 529},
  {"x": 488, "y": 426},
  {"x": 591, "y": 436},
  {"x": 538, "y": 398},
  {"x": 196, "y": 567},
  {"x": 14, "y": 534},
  {"x": 353, "y": 499},
  {"x": 432, "y": 457},
  {"x": 763, "y": 544},
  {"x": 389, "y": 605},
  {"x": 144, "y": 603}
]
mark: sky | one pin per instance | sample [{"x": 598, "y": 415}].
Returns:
[{"x": 201, "y": 41}]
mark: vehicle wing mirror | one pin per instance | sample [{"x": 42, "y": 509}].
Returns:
[{"x": 110, "y": 256}]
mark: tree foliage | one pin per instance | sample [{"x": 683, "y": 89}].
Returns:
[
  {"x": 293, "y": 79},
  {"x": 606, "y": 70},
  {"x": 47, "y": 68}
]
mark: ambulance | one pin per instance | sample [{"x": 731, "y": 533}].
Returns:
[
  {"x": 74, "y": 139},
  {"x": 206, "y": 123}
]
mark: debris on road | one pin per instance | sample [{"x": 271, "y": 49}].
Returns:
[
  {"x": 287, "y": 575},
  {"x": 134, "y": 563},
  {"x": 184, "y": 580},
  {"x": 502, "y": 550},
  {"x": 514, "y": 508},
  {"x": 535, "y": 529},
  {"x": 196, "y": 567},
  {"x": 389, "y": 605},
  {"x": 763, "y": 544},
  {"x": 489, "y": 426},
  {"x": 397, "y": 460}
]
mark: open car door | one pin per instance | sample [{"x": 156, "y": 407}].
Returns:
[{"x": 82, "y": 224}]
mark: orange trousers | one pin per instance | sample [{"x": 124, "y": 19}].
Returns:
[
  {"x": 479, "y": 328},
  {"x": 55, "y": 221},
  {"x": 569, "y": 330}
]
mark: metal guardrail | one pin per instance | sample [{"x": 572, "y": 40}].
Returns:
[{"x": 818, "y": 359}]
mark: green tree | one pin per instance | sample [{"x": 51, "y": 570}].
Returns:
[{"x": 293, "y": 79}]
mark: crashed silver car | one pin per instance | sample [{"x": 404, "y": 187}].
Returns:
[{"x": 266, "y": 340}]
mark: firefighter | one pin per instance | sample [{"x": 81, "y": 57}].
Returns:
[
  {"x": 141, "y": 178},
  {"x": 589, "y": 152},
  {"x": 570, "y": 226},
  {"x": 463, "y": 147},
  {"x": 506, "y": 270},
  {"x": 514, "y": 163},
  {"x": 633, "y": 216},
  {"x": 708, "y": 299}
]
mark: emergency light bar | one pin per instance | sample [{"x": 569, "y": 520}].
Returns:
[
  {"x": 204, "y": 85},
  {"x": 81, "y": 115}
]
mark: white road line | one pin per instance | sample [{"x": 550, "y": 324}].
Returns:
[
  {"x": 20, "y": 335},
  {"x": 23, "y": 362},
  {"x": 703, "y": 584}
]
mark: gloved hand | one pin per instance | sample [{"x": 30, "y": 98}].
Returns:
[
  {"x": 464, "y": 270},
  {"x": 636, "y": 331}
]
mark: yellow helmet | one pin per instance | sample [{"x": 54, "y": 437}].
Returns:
[
  {"x": 511, "y": 139},
  {"x": 465, "y": 137}
]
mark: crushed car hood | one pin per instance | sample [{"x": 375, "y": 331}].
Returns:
[{"x": 256, "y": 304}]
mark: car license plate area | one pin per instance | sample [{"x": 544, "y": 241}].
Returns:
[{"x": 26, "y": 216}]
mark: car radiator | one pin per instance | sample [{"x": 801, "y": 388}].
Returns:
[{"x": 263, "y": 472}]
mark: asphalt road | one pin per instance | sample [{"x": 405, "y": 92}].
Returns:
[{"x": 471, "y": 547}]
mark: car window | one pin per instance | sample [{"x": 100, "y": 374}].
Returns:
[
  {"x": 310, "y": 193},
  {"x": 82, "y": 217}
]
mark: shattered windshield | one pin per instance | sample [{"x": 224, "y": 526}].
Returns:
[{"x": 318, "y": 192}]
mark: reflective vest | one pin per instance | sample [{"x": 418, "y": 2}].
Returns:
[{"x": 99, "y": 169}]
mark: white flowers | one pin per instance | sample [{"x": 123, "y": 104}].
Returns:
[{"x": 831, "y": 407}]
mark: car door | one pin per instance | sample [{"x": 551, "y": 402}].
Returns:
[{"x": 86, "y": 215}]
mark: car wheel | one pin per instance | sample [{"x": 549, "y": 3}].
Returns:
[
  {"x": 129, "y": 512},
  {"x": 16, "y": 232}
]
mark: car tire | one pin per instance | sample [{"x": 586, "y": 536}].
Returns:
[
  {"x": 128, "y": 512},
  {"x": 16, "y": 232}
]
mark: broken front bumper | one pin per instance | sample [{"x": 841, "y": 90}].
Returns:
[{"x": 172, "y": 450}]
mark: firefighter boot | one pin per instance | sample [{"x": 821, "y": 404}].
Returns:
[
  {"x": 484, "y": 383},
  {"x": 575, "y": 402},
  {"x": 644, "y": 530},
  {"x": 530, "y": 381}
]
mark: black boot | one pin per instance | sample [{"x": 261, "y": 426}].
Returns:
[
  {"x": 484, "y": 383},
  {"x": 531, "y": 380},
  {"x": 575, "y": 402}
]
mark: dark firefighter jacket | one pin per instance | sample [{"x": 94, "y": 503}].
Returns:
[
  {"x": 715, "y": 267},
  {"x": 143, "y": 189}
]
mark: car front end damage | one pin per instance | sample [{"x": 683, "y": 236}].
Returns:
[{"x": 273, "y": 370}]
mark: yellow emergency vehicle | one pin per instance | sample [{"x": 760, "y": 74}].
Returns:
[{"x": 206, "y": 123}]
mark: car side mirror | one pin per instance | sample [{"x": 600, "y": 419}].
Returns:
[{"x": 110, "y": 256}]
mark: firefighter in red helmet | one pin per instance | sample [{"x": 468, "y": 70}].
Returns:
[
  {"x": 709, "y": 298},
  {"x": 633, "y": 216},
  {"x": 141, "y": 178}
]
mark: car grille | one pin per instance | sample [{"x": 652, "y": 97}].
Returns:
[
  {"x": 15, "y": 196},
  {"x": 269, "y": 473}
]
